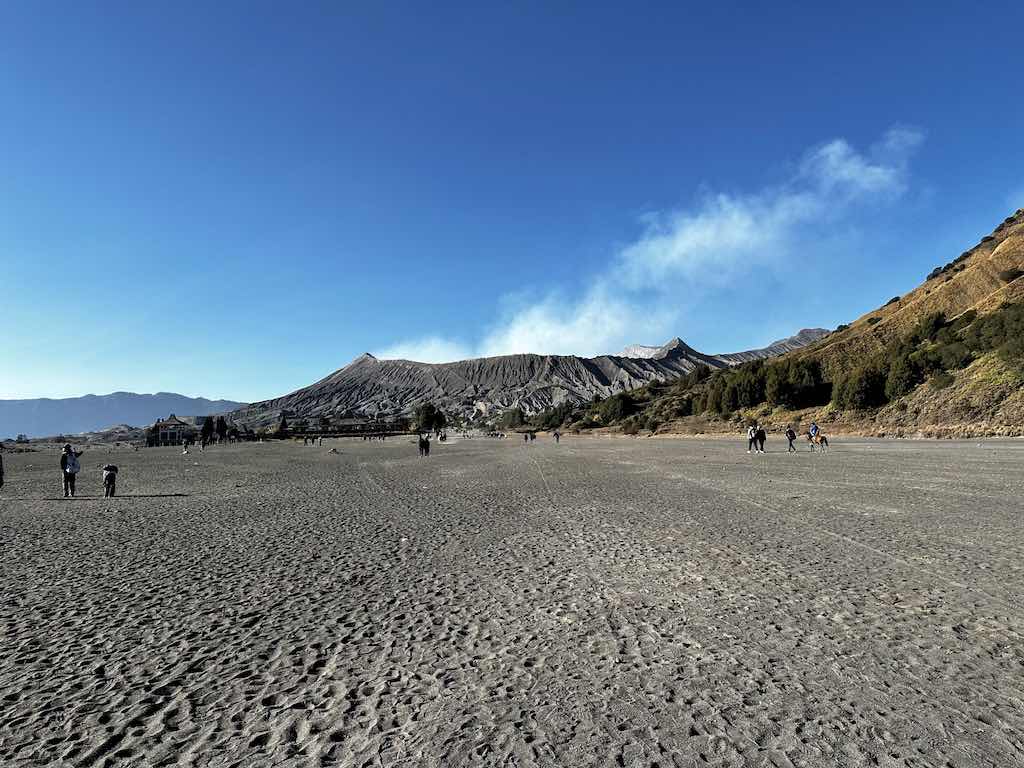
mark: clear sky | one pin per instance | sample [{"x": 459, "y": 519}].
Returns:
[{"x": 233, "y": 199}]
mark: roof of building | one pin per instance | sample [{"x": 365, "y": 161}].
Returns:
[{"x": 171, "y": 421}]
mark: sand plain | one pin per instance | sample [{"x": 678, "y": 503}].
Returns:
[{"x": 606, "y": 602}]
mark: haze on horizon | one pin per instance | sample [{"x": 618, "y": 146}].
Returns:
[{"x": 233, "y": 201}]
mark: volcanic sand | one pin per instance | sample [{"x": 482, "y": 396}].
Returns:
[{"x": 606, "y": 602}]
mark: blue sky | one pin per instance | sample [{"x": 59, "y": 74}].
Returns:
[{"x": 234, "y": 199}]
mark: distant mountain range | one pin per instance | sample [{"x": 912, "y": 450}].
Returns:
[
  {"x": 45, "y": 417},
  {"x": 368, "y": 387}
]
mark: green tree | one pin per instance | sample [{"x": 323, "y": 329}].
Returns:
[
  {"x": 615, "y": 408},
  {"x": 206, "y": 433},
  {"x": 425, "y": 416},
  {"x": 861, "y": 388},
  {"x": 511, "y": 419},
  {"x": 902, "y": 377},
  {"x": 440, "y": 420}
]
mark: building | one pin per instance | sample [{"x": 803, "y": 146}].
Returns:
[{"x": 170, "y": 431}]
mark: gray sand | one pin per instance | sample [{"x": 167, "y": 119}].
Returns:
[{"x": 602, "y": 602}]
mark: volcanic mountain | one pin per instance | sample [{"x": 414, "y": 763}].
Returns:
[
  {"x": 802, "y": 339},
  {"x": 368, "y": 387}
]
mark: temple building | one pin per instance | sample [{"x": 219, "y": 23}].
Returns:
[{"x": 170, "y": 431}]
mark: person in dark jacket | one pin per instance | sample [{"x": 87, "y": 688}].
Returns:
[
  {"x": 69, "y": 467},
  {"x": 109, "y": 481},
  {"x": 791, "y": 436}
]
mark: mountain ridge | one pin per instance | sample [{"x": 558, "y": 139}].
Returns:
[
  {"x": 369, "y": 387},
  {"x": 800, "y": 339},
  {"x": 45, "y": 416}
]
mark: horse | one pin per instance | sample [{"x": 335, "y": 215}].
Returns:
[{"x": 819, "y": 440}]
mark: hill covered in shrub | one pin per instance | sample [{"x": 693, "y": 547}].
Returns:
[{"x": 946, "y": 358}]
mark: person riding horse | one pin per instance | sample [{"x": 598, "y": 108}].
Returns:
[{"x": 815, "y": 437}]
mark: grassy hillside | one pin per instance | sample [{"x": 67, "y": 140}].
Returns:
[
  {"x": 946, "y": 359},
  {"x": 981, "y": 278}
]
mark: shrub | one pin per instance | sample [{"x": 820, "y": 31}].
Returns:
[
  {"x": 859, "y": 389},
  {"x": 940, "y": 380},
  {"x": 994, "y": 330},
  {"x": 893, "y": 300},
  {"x": 927, "y": 327},
  {"x": 615, "y": 408},
  {"x": 796, "y": 383},
  {"x": 1009, "y": 275},
  {"x": 954, "y": 355},
  {"x": 874, "y": 320},
  {"x": 903, "y": 376},
  {"x": 1012, "y": 351},
  {"x": 684, "y": 406},
  {"x": 964, "y": 319},
  {"x": 841, "y": 327}
]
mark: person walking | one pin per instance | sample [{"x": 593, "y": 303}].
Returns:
[
  {"x": 109, "y": 481},
  {"x": 791, "y": 436},
  {"x": 69, "y": 468},
  {"x": 750, "y": 438},
  {"x": 558, "y": 436}
]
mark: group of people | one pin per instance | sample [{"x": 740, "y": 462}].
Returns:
[
  {"x": 70, "y": 466},
  {"x": 757, "y": 435}
]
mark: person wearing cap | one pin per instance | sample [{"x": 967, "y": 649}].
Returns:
[{"x": 69, "y": 467}]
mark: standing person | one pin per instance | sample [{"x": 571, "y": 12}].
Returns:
[
  {"x": 109, "y": 481},
  {"x": 750, "y": 438},
  {"x": 557, "y": 436},
  {"x": 791, "y": 436},
  {"x": 759, "y": 438},
  {"x": 69, "y": 467}
]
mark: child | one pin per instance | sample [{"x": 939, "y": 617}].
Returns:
[{"x": 109, "y": 481}]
